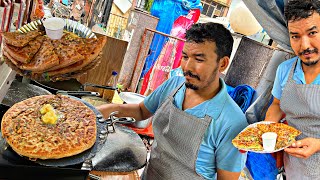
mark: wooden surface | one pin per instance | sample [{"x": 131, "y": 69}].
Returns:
[
  {"x": 111, "y": 60},
  {"x": 116, "y": 175}
]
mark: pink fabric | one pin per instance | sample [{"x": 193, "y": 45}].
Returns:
[
  {"x": 162, "y": 67},
  {"x": 145, "y": 82}
]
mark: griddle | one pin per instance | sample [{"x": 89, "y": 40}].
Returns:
[
  {"x": 121, "y": 151},
  {"x": 13, "y": 166}
]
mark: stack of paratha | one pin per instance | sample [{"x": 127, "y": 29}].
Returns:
[{"x": 34, "y": 55}]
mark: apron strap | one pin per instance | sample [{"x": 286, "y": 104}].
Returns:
[
  {"x": 174, "y": 92},
  {"x": 290, "y": 78}
]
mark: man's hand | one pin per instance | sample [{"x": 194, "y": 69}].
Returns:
[{"x": 304, "y": 148}]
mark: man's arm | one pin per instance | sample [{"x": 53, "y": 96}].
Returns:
[
  {"x": 137, "y": 111},
  {"x": 274, "y": 112},
  {"x": 304, "y": 148},
  {"x": 227, "y": 175}
]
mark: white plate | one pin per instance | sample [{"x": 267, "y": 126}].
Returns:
[
  {"x": 131, "y": 98},
  {"x": 264, "y": 151}
]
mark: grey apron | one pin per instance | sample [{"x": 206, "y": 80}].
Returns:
[
  {"x": 178, "y": 136},
  {"x": 301, "y": 103}
]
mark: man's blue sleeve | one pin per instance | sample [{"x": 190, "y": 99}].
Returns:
[
  {"x": 277, "y": 89},
  {"x": 155, "y": 99}
]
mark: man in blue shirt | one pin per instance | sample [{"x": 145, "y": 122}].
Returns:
[
  {"x": 194, "y": 118},
  {"x": 296, "y": 90}
]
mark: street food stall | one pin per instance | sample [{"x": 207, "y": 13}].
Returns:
[{"x": 115, "y": 150}]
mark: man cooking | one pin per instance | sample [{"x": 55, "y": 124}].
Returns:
[
  {"x": 296, "y": 90},
  {"x": 194, "y": 118}
]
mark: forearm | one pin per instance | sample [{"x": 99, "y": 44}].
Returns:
[
  {"x": 125, "y": 110},
  {"x": 274, "y": 112},
  {"x": 227, "y": 175}
]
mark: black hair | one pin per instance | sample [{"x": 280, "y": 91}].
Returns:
[
  {"x": 301, "y": 9},
  {"x": 214, "y": 32}
]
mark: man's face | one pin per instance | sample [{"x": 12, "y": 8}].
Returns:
[
  {"x": 305, "y": 39},
  {"x": 199, "y": 65}
]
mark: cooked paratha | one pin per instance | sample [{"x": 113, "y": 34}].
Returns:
[
  {"x": 44, "y": 59},
  {"x": 20, "y": 39},
  {"x": 88, "y": 48},
  {"x": 67, "y": 54},
  {"x": 49, "y": 127},
  {"x": 249, "y": 139},
  {"x": 26, "y": 53}
]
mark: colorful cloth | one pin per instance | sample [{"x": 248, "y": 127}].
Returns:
[
  {"x": 160, "y": 9},
  {"x": 171, "y": 53}
]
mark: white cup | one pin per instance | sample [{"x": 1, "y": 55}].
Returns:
[
  {"x": 269, "y": 140},
  {"x": 54, "y": 27}
]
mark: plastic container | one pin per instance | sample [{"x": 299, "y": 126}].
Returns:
[
  {"x": 269, "y": 140},
  {"x": 54, "y": 27}
]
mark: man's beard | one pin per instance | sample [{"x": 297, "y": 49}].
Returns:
[
  {"x": 309, "y": 63},
  {"x": 192, "y": 86}
]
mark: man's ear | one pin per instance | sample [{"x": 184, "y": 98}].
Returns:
[{"x": 223, "y": 63}]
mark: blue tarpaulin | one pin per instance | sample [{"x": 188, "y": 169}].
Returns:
[
  {"x": 262, "y": 166},
  {"x": 242, "y": 95},
  {"x": 167, "y": 11}
]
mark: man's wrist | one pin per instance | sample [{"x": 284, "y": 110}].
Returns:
[{"x": 272, "y": 120}]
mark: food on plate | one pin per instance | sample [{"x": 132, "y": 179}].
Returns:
[
  {"x": 286, "y": 134},
  {"x": 38, "y": 57},
  {"x": 251, "y": 138},
  {"x": 67, "y": 54},
  {"x": 26, "y": 53},
  {"x": 89, "y": 49},
  {"x": 45, "y": 59},
  {"x": 49, "y": 127},
  {"x": 20, "y": 39}
]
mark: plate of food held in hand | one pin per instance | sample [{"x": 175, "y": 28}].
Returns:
[
  {"x": 31, "y": 53},
  {"x": 250, "y": 139},
  {"x": 51, "y": 127}
]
